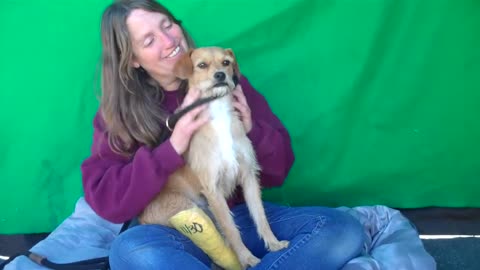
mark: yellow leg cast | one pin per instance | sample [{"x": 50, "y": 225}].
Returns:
[{"x": 198, "y": 227}]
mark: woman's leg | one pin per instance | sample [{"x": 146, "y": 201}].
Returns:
[
  {"x": 320, "y": 238},
  {"x": 156, "y": 247}
]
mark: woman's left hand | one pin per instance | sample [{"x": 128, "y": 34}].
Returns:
[{"x": 240, "y": 104}]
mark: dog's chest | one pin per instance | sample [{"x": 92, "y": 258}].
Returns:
[
  {"x": 221, "y": 114},
  {"x": 214, "y": 149}
]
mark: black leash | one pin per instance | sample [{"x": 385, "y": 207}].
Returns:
[
  {"x": 91, "y": 264},
  {"x": 172, "y": 120}
]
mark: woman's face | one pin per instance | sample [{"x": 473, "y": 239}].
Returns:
[{"x": 157, "y": 45}]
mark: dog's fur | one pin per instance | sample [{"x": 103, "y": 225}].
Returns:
[{"x": 220, "y": 158}]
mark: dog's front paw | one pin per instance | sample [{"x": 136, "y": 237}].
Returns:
[
  {"x": 277, "y": 245},
  {"x": 248, "y": 260}
]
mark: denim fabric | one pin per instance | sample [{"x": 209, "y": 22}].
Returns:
[{"x": 320, "y": 238}]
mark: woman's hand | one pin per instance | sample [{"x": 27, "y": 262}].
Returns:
[
  {"x": 240, "y": 104},
  {"x": 189, "y": 123}
]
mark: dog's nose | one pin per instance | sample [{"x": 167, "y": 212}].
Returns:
[{"x": 219, "y": 76}]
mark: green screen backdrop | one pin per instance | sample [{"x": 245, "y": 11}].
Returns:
[{"x": 381, "y": 97}]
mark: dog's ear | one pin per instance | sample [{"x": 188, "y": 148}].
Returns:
[
  {"x": 236, "y": 70},
  {"x": 183, "y": 68}
]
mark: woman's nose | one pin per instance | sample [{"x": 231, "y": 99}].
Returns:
[{"x": 167, "y": 39}]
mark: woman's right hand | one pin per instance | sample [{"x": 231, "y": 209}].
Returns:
[{"x": 189, "y": 123}]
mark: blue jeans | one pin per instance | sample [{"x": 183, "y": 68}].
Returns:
[{"x": 320, "y": 238}]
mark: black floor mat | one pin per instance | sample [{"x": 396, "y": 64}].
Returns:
[
  {"x": 14, "y": 244},
  {"x": 453, "y": 254}
]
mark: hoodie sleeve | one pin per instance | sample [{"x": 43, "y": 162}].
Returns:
[
  {"x": 269, "y": 137},
  {"x": 118, "y": 188}
]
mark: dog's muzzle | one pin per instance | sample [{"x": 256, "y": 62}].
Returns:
[{"x": 220, "y": 78}]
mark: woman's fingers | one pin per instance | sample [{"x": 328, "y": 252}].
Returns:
[{"x": 241, "y": 105}]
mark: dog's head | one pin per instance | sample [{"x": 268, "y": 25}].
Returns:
[{"x": 213, "y": 70}]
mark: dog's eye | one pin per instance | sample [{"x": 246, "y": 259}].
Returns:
[
  {"x": 202, "y": 65},
  {"x": 226, "y": 63}
]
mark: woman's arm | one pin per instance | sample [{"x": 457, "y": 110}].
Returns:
[
  {"x": 269, "y": 138},
  {"x": 119, "y": 188}
]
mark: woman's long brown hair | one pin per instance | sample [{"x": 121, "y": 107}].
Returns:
[{"x": 130, "y": 102}]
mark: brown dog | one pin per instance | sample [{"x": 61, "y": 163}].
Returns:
[{"x": 220, "y": 157}]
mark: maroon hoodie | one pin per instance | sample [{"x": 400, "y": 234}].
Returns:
[{"x": 118, "y": 188}]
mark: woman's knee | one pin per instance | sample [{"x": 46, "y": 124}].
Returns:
[
  {"x": 344, "y": 235},
  {"x": 334, "y": 237},
  {"x": 323, "y": 238}
]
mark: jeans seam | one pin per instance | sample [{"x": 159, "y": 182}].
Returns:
[
  {"x": 120, "y": 256},
  {"x": 321, "y": 220}
]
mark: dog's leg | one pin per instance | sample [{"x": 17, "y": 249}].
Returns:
[
  {"x": 253, "y": 199},
  {"x": 163, "y": 207},
  {"x": 222, "y": 214},
  {"x": 198, "y": 227}
]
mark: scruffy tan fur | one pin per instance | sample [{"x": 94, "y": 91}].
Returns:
[{"x": 220, "y": 158}]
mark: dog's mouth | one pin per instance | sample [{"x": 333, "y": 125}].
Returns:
[{"x": 220, "y": 84}]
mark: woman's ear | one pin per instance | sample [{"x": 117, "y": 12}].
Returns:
[
  {"x": 134, "y": 63},
  {"x": 183, "y": 68}
]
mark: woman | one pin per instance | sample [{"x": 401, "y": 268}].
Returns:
[{"x": 133, "y": 153}]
